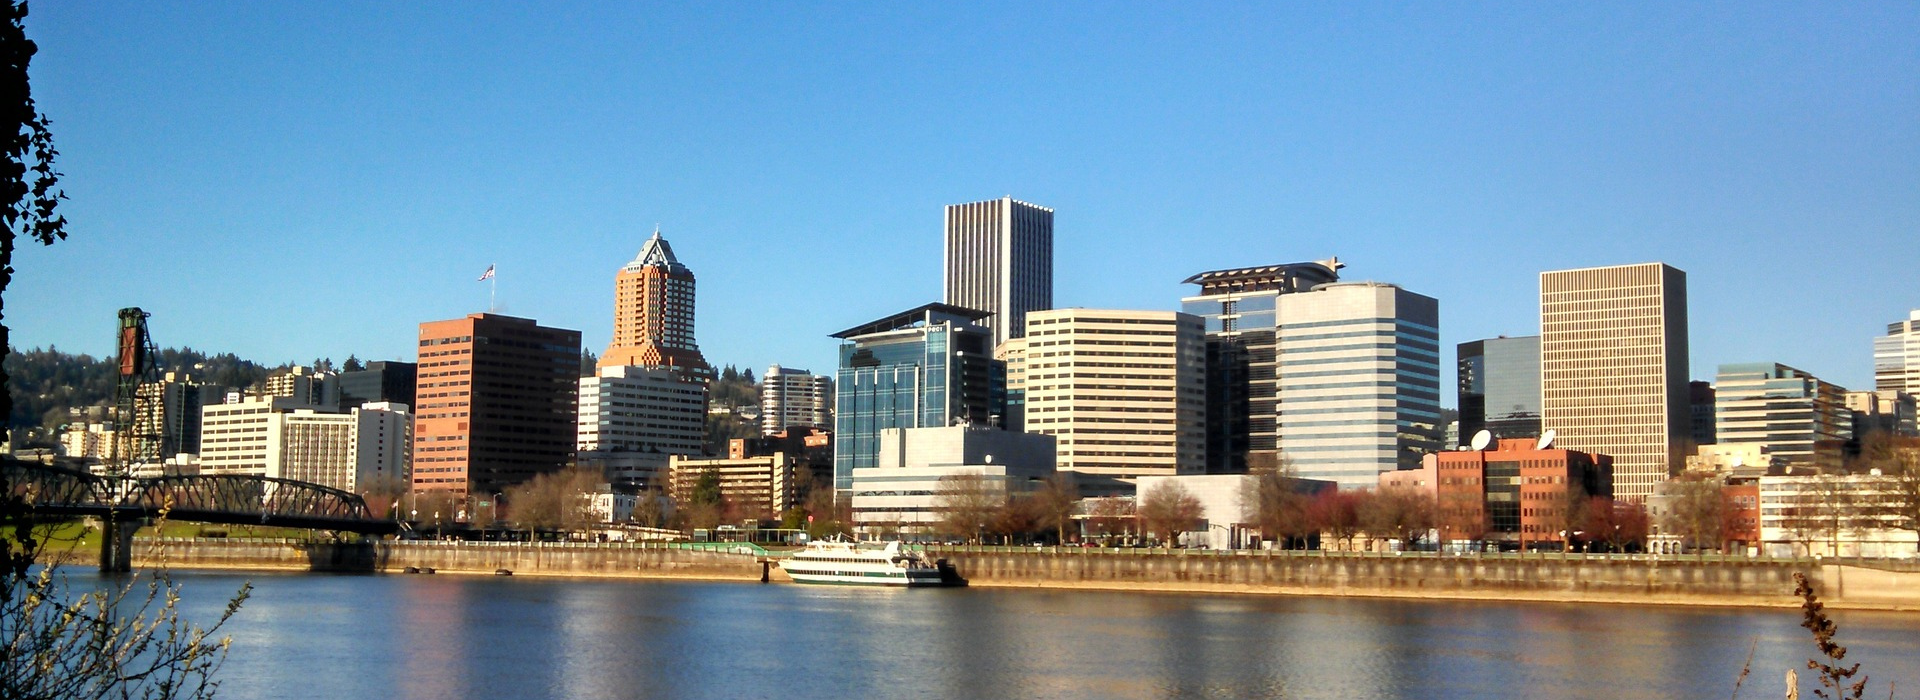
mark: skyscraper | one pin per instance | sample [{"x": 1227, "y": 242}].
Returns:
[
  {"x": 1896, "y": 356},
  {"x": 1339, "y": 380},
  {"x": 496, "y": 403},
  {"x": 1123, "y": 392},
  {"x": 653, "y": 314},
  {"x": 1613, "y": 368},
  {"x": 926, "y": 367},
  {"x": 1500, "y": 387},
  {"x": 999, "y": 259}
]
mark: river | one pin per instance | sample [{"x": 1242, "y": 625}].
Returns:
[{"x": 440, "y": 637}]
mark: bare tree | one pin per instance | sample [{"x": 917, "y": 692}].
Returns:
[
  {"x": 1696, "y": 512},
  {"x": 1054, "y": 504},
  {"x": 1273, "y": 500},
  {"x": 1568, "y": 515},
  {"x": 967, "y": 503},
  {"x": 1168, "y": 511},
  {"x": 1110, "y": 517},
  {"x": 1897, "y": 503},
  {"x": 1338, "y": 512},
  {"x": 556, "y": 501},
  {"x": 1403, "y": 514}
]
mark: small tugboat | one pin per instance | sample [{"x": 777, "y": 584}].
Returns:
[{"x": 849, "y": 564}]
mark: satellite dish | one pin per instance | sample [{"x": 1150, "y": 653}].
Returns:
[
  {"x": 1481, "y": 440},
  {"x": 1546, "y": 440}
]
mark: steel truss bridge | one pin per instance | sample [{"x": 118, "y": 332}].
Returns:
[{"x": 58, "y": 492}]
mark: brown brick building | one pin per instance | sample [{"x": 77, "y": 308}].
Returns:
[
  {"x": 1513, "y": 492},
  {"x": 496, "y": 403}
]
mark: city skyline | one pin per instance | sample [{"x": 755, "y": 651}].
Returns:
[{"x": 1719, "y": 142}]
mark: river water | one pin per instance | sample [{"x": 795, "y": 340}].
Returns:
[{"x": 434, "y": 637}]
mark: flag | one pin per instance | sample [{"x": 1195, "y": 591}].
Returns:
[{"x": 484, "y": 276}]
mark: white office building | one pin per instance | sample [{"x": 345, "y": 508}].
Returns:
[
  {"x": 632, "y": 418},
  {"x": 903, "y": 493},
  {"x": 999, "y": 259},
  {"x": 795, "y": 397}
]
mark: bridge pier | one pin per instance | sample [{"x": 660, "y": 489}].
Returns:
[{"x": 116, "y": 544}]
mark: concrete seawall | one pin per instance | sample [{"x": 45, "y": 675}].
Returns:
[
  {"x": 1600, "y": 579},
  {"x": 1754, "y": 582},
  {"x": 541, "y": 559}
]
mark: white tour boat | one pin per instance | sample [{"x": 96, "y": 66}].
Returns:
[{"x": 848, "y": 563}]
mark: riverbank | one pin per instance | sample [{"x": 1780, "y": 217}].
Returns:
[{"x": 1602, "y": 580}]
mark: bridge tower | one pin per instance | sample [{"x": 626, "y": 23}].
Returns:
[{"x": 136, "y": 429}]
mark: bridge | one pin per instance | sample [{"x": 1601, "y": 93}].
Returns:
[{"x": 57, "y": 492}]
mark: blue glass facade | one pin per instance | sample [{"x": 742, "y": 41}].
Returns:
[
  {"x": 933, "y": 373},
  {"x": 1500, "y": 387}
]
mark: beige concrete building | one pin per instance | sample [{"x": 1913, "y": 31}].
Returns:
[
  {"x": 631, "y": 418},
  {"x": 284, "y": 438},
  {"x": 1613, "y": 368},
  {"x": 904, "y": 492},
  {"x": 1122, "y": 392},
  {"x": 758, "y": 487},
  {"x": 795, "y": 397},
  {"x": 1014, "y": 354}
]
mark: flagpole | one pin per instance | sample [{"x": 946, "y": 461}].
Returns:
[{"x": 493, "y": 283}]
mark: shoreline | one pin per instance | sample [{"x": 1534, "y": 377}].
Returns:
[{"x": 1785, "y": 601}]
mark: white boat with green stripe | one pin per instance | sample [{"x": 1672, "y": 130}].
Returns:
[{"x": 849, "y": 564}]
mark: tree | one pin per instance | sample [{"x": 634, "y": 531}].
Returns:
[
  {"x": 1630, "y": 526},
  {"x": 28, "y": 182},
  {"x": 827, "y": 516},
  {"x": 1168, "y": 511},
  {"x": 432, "y": 509},
  {"x": 1110, "y": 517},
  {"x": 650, "y": 508},
  {"x": 1054, "y": 504},
  {"x": 1017, "y": 517},
  {"x": 1567, "y": 514},
  {"x": 385, "y": 495},
  {"x": 967, "y": 503},
  {"x": 1338, "y": 512},
  {"x": 589, "y": 363},
  {"x": 1278, "y": 507},
  {"x": 559, "y": 500},
  {"x": 1403, "y": 514},
  {"x": 352, "y": 364},
  {"x": 1897, "y": 504},
  {"x": 1696, "y": 512}
]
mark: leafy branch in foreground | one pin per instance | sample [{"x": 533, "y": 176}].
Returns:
[{"x": 60, "y": 640}]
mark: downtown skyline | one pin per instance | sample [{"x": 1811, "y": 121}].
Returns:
[{"x": 392, "y": 155}]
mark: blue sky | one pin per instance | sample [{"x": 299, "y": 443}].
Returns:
[{"x": 291, "y": 181}]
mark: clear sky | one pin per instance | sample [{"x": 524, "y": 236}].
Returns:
[{"x": 288, "y": 181}]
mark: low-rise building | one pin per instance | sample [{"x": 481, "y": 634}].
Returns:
[
  {"x": 1515, "y": 492},
  {"x": 903, "y": 493},
  {"x": 1831, "y": 515}
]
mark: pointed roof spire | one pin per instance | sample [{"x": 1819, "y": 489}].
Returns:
[{"x": 656, "y": 252}]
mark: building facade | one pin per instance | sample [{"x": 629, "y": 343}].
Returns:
[
  {"x": 1515, "y": 492},
  {"x": 755, "y": 487},
  {"x": 632, "y": 419},
  {"x": 1013, "y": 354},
  {"x": 653, "y": 314},
  {"x": 1500, "y": 387},
  {"x": 285, "y": 438},
  {"x": 926, "y": 367},
  {"x": 1613, "y": 368},
  {"x": 168, "y": 413},
  {"x": 1801, "y": 420},
  {"x": 1241, "y": 308},
  {"x": 1896, "y": 356},
  {"x": 1887, "y": 411},
  {"x": 380, "y": 381},
  {"x": 1123, "y": 393},
  {"x": 916, "y": 469},
  {"x": 497, "y": 403},
  {"x": 306, "y": 385},
  {"x": 794, "y": 397},
  {"x": 999, "y": 259}
]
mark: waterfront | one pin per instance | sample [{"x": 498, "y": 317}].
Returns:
[{"x": 431, "y": 637}]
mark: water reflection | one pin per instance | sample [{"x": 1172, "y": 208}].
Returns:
[{"x": 443, "y": 637}]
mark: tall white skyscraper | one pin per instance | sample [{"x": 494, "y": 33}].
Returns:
[
  {"x": 1613, "y": 368},
  {"x": 1896, "y": 356},
  {"x": 999, "y": 259}
]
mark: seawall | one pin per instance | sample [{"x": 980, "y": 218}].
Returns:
[
  {"x": 1556, "y": 578},
  {"x": 1573, "y": 578},
  {"x": 538, "y": 559}
]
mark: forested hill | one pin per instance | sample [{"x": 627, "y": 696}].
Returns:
[{"x": 45, "y": 383}]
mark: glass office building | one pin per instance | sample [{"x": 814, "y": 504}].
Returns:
[
  {"x": 926, "y": 367},
  {"x": 1500, "y": 387},
  {"x": 1339, "y": 380}
]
